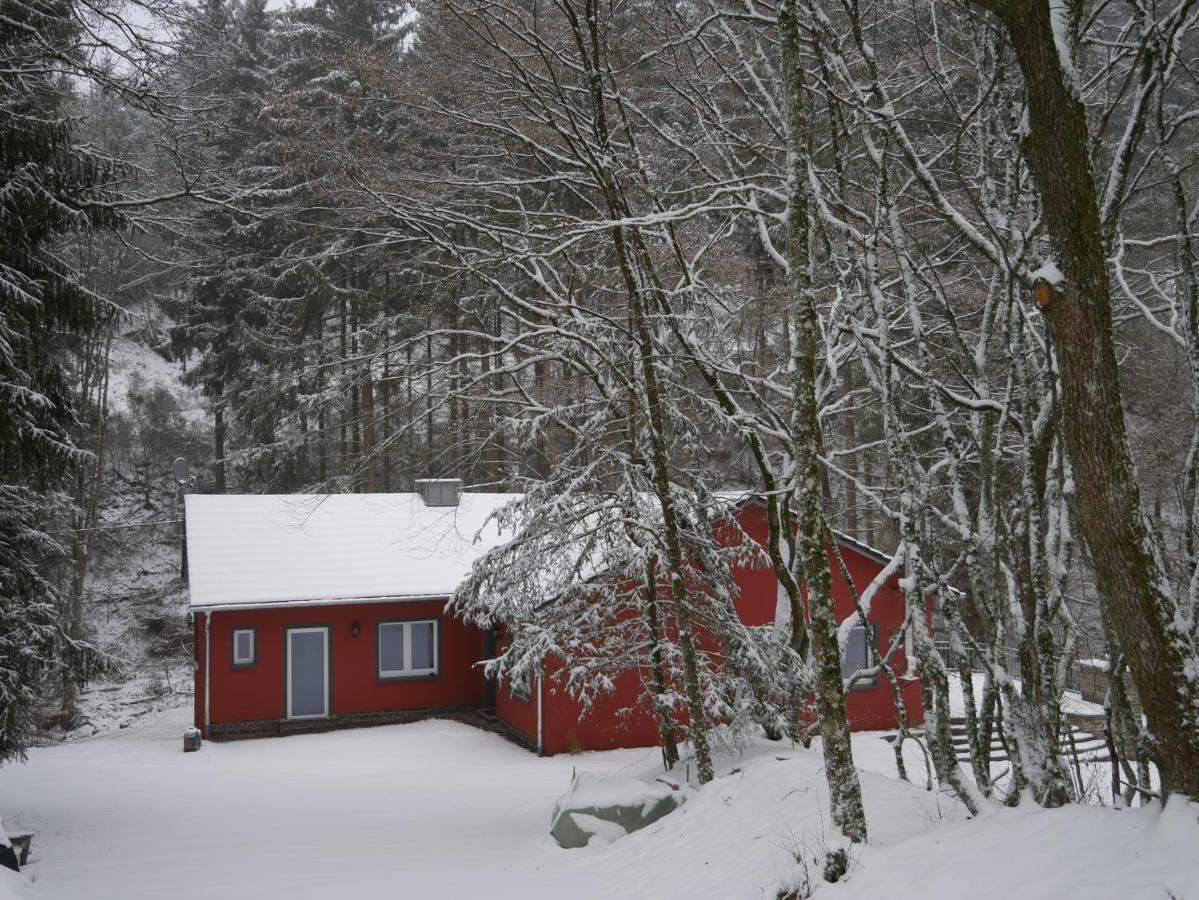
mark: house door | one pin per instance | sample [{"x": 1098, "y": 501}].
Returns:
[{"x": 307, "y": 672}]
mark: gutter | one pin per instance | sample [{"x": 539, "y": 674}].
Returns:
[
  {"x": 341, "y": 601},
  {"x": 207, "y": 673},
  {"x": 540, "y": 740}
]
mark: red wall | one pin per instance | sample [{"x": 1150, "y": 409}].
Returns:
[
  {"x": 520, "y": 714},
  {"x": 868, "y": 708},
  {"x": 566, "y": 729},
  {"x": 257, "y": 693}
]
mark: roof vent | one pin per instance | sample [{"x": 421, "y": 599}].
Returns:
[{"x": 439, "y": 491}]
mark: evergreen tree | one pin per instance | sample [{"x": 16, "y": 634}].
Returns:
[
  {"x": 50, "y": 186},
  {"x": 221, "y": 307}
]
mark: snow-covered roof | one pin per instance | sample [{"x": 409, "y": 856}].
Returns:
[{"x": 264, "y": 549}]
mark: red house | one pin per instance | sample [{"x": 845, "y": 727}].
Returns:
[{"x": 313, "y": 612}]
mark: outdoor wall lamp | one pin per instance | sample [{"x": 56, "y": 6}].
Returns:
[{"x": 354, "y": 629}]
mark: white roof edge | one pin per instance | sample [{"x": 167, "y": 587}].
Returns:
[{"x": 336, "y": 601}]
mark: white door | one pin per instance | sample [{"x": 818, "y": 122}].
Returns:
[{"x": 307, "y": 673}]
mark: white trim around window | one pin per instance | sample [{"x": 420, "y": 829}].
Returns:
[
  {"x": 408, "y": 648},
  {"x": 245, "y": 647}
]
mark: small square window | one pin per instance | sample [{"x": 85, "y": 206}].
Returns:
[
  {"x": 245, "y": 647},
  {"x": 408, "y": 650}
]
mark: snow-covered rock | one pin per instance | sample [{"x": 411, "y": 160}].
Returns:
[{"x": 609, "y": 808}]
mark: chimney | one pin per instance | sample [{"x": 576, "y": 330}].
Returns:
[{"x": 439, "y": 491}]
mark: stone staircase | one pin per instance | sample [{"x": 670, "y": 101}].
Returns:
[{"x": 1091, "y": 748}]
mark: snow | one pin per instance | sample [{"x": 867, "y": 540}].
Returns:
[
  {"x": 1072, "y": 702},
  {"x": 1038, "y": 854},
  {"x": 14, "y": 886},
  {"x": 438, "y": 808},
  {"x": 134, "y": 365},
  {"x": 1048, "y": 272},
  {"x": 434, "y": 808},
  {"x": 598, "y": 793},
  {"x": 263, "y": 549},
  {"x": 601, "y": 830},
  {"x": 136, "y": 608},
  {"x": 1059, "y": 20}
]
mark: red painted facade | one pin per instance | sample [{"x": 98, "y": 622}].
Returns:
[
  {"x": 869, "y": 707},
  {"x": 257, "y": 693},
  {"x": 550, "y": 719}
]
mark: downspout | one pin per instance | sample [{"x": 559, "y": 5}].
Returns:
[
  {"x": 207, "y": 672},
  {"x": 540, "y": 741}
]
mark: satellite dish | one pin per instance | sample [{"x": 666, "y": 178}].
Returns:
[{"x": 181, "y": 470}]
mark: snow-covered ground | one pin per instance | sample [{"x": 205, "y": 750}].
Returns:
[
  {"x": 440, "y": 809},
  {"x": 1035, "y": 854}
]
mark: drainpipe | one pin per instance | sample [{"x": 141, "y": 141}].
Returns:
[
  {"x": 207, "y": 672},
  {"x": 540, "y": 742}
]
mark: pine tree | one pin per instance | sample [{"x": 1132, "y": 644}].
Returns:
[
  {"x": 50, "y": 186},
  {"x": 225, "y": 302}
]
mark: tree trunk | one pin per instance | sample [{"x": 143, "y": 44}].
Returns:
[
  {"x": 343, "y": 354},
  {"x": 368, "y": 433},
  {"x": 89, "y": 488},
  {"x": 1079, "y": 317},
  {"x": 356, "y": 455},
  {"x": 658, "y": 456},
  {"x": 385, "y": 416},
  {"x": 218, "y": 448},
  {"x": 811, "y": 558},
  {"x": 670, "y": 748}
]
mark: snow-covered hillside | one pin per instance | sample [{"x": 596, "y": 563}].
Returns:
[
  {"x": 134, "y": 366},
  {"x": 135, "y": 605}
]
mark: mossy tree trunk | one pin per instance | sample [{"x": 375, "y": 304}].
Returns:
[
  {"x": 810, "y": 561},
  {"x": 1129, "y": 573}
]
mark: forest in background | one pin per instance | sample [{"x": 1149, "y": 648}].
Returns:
[{"x": 924, "y": 274}]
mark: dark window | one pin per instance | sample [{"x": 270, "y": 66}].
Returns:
[
  {"x": 858, "y": 656},
  {"x": 519, "y": 686}
]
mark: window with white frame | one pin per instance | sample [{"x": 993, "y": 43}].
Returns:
[
  {"x": 245, "y": 647},
  {"x": 408, "y": 649},
  {"x": 858, "y": 656}
]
